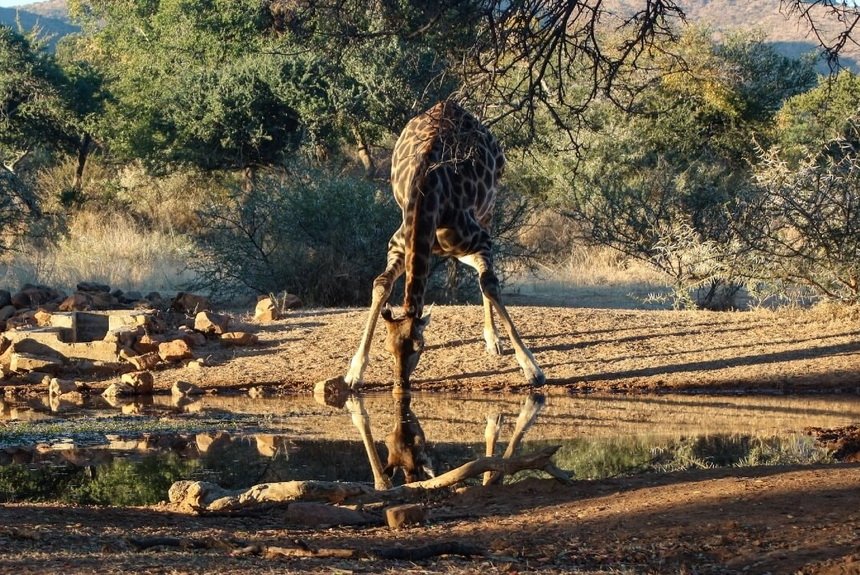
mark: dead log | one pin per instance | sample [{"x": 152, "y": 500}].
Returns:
[{"x": 203, "y": 497}]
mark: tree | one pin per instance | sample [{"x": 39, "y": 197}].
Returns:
[
  {"x": 803, "y": 224},
  {"x": 664, "y": 185}
]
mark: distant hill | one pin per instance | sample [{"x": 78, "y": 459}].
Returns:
[{"x": 52, "y": 18}]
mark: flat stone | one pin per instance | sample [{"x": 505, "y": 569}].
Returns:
[
  {"x": 238, "y": 338},
  {"x": 22, "y": 362},
  {"x": 404, "y": 515}
]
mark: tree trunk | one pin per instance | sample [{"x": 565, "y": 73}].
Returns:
[{"x": 83, "y": 154}]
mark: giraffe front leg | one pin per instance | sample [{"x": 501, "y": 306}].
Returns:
[
  {"x": 490, "y": 289},
  {"x": 381, "y": 290},
  {"x": 491, "y": 334}
]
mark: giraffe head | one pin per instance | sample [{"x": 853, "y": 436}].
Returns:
[
  {"x": 405, "y": 342},
  {"x": 406, "y": 443}
]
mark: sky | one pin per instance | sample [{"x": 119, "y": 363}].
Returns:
[{"x": 8, "y": 3}]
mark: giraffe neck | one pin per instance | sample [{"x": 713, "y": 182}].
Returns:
[{"x": 420, "y": 234}]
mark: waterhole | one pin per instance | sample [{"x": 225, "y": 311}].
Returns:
[{"x": 130, "y": 452}]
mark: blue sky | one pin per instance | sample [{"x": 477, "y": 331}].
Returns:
[{"x": 8, "y": 3}]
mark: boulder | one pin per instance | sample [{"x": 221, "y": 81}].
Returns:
[
  {"x": 35, "y": 295},
  {"x": 42, "y": 317},
  {"x": 5, "y": 298},
  {"x": 147, "y": 343},
  {"x": 266, "y": 310},
  {"x": 23, "y": 362},
  {"x": 61, "y": 386},
  {"x": 191, "y": 337},
  {"x": 290, "y": 301},
  {"x": 76, "y": 302},
  {"x": 211, "y": 323},
  {"x": 407, "y": 514},
  {"x": 174, "y": 350},
  {"x": 119, "y": 389},
  {"x": 92, "y": 287},
  {"x": 140, "y": 381},
  {"x": 7, "y": 311},
  {"x": 238, "y": 339},
  {"x": 189, "y": 303},
  {"x": 184, "y": 388},
  {"x": 144, "y": 361},
  {"x": 333, "y": 391}
]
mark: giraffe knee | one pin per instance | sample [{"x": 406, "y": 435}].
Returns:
[{"x": 489, "y": 284}]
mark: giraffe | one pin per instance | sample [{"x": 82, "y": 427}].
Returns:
[{"x": 444, "y": 172}]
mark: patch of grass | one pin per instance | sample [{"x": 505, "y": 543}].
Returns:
[
  {"x": 110, "y": 248},
  {"x": 593, "y": 276}
]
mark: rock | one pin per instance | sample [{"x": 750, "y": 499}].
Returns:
[
  {"x": 174, "y": 350},
  {"x": 211, "y": 323},
  {"x": 42, "y": 317},
  {"x": 290, "y": 301},
  {"x": 21, "y": 319},
  {"x": 93, "y": 287},
  {"x": 131, "y": 408},
  {"x": 5, "y": 298},
  {"x": 332, "y": 391},
  {"x": 191, "y": 337},
  {"x": 147, "y": 343},
  {"x": 144, "y": 361},
  {"x": 406, "y": 514},
  {"x": 238, "y": 338},
  {"x": 189, "y": 303},
  {"x": 103, "y": 300},
  {"x": 76, "y": 302},
  {"x": 259, "y": 391},
  {"x": 183, "y": 388},
  {"x": 196, "y": 364},
  {"x": 7, "y": 311},
  {"x": 130, "y": 297},
  {"x": 120, "y": 389},
  {"x": 304, "y": 514},
  {"x": 35, "y": 295},
  {"x": 22, "y": 362},
  {"x": 61, "y": 386},
  {"x": 141, "y": 381},
  {"x": 266, "y": 310}
]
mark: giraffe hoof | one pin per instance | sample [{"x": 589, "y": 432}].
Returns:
[
  {"x": 537, "y": 380},
  {"x": 494, "y": 348}
]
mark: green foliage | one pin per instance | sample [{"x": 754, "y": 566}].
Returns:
[
  {"x": 126, "y": 482},
  {"x": 312, "y": 233},
  {"x": 20, "y": 483},
  {"x": 804, "y": 226},
  {"x": 808, "y": 121},
  {"x": 664, "y": 184}
]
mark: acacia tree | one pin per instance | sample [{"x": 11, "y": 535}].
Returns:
[
  {"x": 664, "y": 185},
  {"x": 803, "y": 224},
  {"x": 45, "y": 104}
]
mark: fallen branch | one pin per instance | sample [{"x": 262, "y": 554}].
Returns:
[{"x": 204, "y": 497}]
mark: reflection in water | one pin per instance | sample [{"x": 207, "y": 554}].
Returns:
[{"x": 237, "y": 441}]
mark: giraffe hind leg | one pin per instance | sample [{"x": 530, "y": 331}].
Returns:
[{"x": 490, "y": 290}]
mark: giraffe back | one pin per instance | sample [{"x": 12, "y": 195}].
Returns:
[{"x": 446, "y": 158}]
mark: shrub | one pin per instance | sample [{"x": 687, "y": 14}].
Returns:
[{"x": 320, "y": 236}]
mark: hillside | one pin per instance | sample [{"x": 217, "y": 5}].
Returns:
[{"x": 50, "y": 17}]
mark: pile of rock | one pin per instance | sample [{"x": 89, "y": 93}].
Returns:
[
  {"x": 138, "y": 334},
  {"x": 18, "y": 310}
]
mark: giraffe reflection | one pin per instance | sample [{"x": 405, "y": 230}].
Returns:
[{"x": 407, "y": 446}]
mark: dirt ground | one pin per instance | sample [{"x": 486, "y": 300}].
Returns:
[{"x": 737, "y": 520}]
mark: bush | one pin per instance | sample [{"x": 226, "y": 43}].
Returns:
[
  {"x": 804, "y": 227},
  {"x": 320, "y": 236}
]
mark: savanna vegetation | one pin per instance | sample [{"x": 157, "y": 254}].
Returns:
[{"x": 240, "y": 147}]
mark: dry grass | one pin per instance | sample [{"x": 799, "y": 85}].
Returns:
[
  {"x": 109, "y": 248},
  {"x": 592, "y": 276}
]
